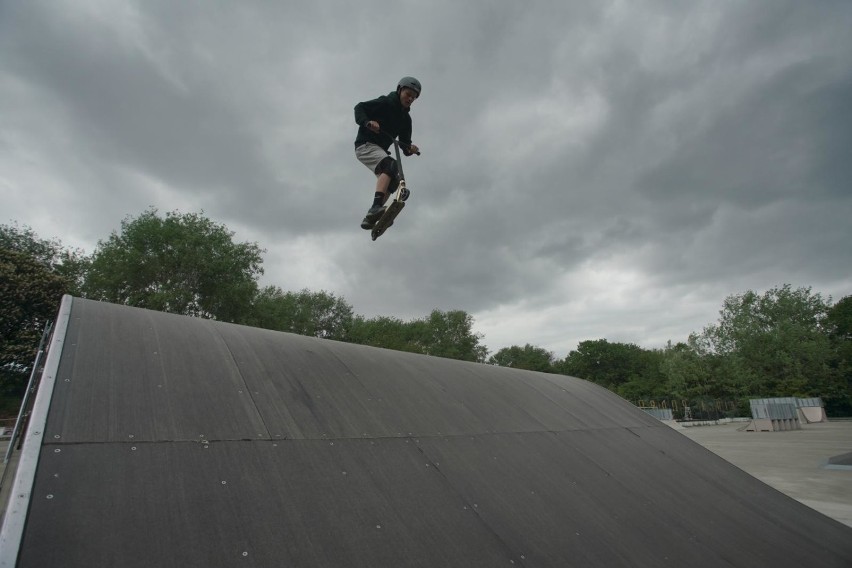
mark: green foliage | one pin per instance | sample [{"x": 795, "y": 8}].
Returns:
[
  {"x": 29, "y": 296},
  {"x": 838, "y": 320},
  {"x": 183, "y": 263},
  {"x": 528, "y": 357},
  {"x": 625, "y": 368},
  {"x": 319, "y": 314},
  {"x": 442, "y": 334},
  {"x": 385, "y": 332},
  {"x": 30, "y": 293},
  {"x": 687, "y": 374},
  {"x": 607, "y": 364},
  {"x": 838, "y": 324},
  {"x": 647, "y": 378},
  {"x": 34, "y": 274},
  {"x": 450, "y": 335},
  {"x": 71, "y": 265},
  {"x": 772, "y": 344}
]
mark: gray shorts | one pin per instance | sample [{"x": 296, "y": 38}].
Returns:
[{"x": 370, "y": 155}]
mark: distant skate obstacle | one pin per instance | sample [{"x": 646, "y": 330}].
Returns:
[{"x": 784, "y": 413}]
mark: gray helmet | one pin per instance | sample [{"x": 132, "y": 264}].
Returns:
[{"x": 409, "y": 82}]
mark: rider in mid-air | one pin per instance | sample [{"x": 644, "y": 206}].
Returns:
[{"x": 379, "y": 122}]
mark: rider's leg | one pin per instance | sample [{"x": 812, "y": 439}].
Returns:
[
  {"x": 383, "y": 183},
  {"x": 374, "y": 157},
  {"x": 381, "y": 195},
  {"x": 388, "y": 175},
  {"x": 388, "y": 167}
]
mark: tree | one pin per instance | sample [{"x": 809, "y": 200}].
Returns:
[
  {"x": 528, "y": 357},
  {"x": 30, "y": 293},
  {"x": 183, "y": 263},
  {"x": 773, "y": 344},
  {"x": 687, "y": 373},
  {"x": 442, "y": 334},
  {"x": 34, "y": 274},
  {"x": 319, "y": 314},
  {"x": 384, "y": 332},
  {"x": 838, "y": 324},
  {"x": 645, "y": 379},
  {"x": 607, "y": 364},
  {"x": 838, "y": 320},
  {"x": 69, "y": 264},
  {"x": 450, "y": 335}
]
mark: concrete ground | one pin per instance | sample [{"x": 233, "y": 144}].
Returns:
[{"x": 793, "y": 462}]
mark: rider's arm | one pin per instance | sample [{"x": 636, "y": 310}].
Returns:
[{"x": 364, "y": 111}]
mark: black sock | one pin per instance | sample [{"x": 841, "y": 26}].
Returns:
[{"x": 378, "y": 199}]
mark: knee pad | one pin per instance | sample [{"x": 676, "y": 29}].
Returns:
[{"x": 388, "y": 166}]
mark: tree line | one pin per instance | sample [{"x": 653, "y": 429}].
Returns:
[{"x": 784, "y": 342}]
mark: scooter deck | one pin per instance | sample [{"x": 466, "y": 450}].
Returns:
[{"x": 386, "y": 220}]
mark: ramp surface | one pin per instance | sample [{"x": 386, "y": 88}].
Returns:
[{"x": 174, "y": 441}]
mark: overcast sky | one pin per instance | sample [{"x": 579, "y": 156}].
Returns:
[{"x": 589, "y": 169}]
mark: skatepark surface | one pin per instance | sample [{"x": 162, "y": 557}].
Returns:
[
  {"x": 793, "y": 462},
  {"x": 163, "y": 440}
]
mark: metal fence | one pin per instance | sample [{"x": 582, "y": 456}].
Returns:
[{"x": 681, "y": 409}]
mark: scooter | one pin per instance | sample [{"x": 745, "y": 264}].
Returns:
[{"x": 397, "y": 202}]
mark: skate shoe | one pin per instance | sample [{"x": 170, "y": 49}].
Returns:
[{"x": 372, "y": 216}]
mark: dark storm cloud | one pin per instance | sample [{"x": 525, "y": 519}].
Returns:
[
  {"x": 131, "y": 110},
  {"x": 589, "y": 169}
]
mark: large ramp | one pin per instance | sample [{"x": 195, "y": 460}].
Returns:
[{"x": 174, "y": 441}]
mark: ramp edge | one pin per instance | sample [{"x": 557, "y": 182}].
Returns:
[{"x": 12, "y": 531}]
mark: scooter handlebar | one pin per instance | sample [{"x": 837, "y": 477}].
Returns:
[{"x": 396, "y": 140}]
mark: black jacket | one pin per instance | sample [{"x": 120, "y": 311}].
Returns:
[{"x": 388, "y": 112}]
